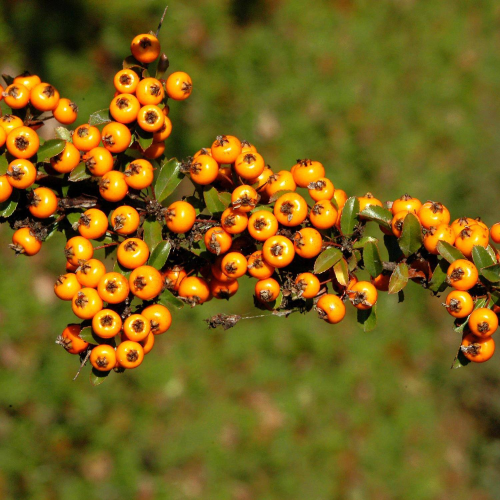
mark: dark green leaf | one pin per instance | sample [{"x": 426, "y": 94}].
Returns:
[
  {"x": 168, "y": 299},
  {"x": 97, "y": 377},
  {"x": 89, "y": 336},
  {"x": 341, "y": 272},
  {"x": 80, "y": 173},
  {"x": 4, "y": 164},
  {"x": 491, "y": 273},
  {"x": 392, "y": 245},
  {"x": 399, "y": 278},
  {"x": 482, "y": 258},
  {"x": 449, "y": 252},
  {"x": 49, "y": 149},
  {"x": 168, "y": 177},
  {"x": 8, "y": 79},
  {"x": 144, "y": 138},
  {"x": 380, "y": 215},
  {"x": 411, "y": 237},
  {"x": 152, "y": 233},
  {"x": 212, "y": 201},
  {"x": 100, "y": 117},
  {"x": 460, "y": 360},
  {"x": 364, "y": 240},
  {"x": 349, "y": 218},
  {"x": 367, "y": 319},
  {"x": 438, "y": 281},
  {"x": 160, "y": 254},
  {"x": 131, "y": 62},
  {"x": 64, "y": 134},
  {"x": 372, "y": 260},
  {"x": 327, "y": 259},
  {"x": 7, "y": 207}
]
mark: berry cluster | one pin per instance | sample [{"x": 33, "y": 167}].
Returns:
[{"x": 305, "y": 249}]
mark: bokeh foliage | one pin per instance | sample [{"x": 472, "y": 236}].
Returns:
[{"x": 392, "y": 96}]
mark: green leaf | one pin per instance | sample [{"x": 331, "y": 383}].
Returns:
[
  {"x": 100, "y": 117},
  {"x": 97, "y": 377},
  {"x": 8, "y": 79},
  {"x": 145, "y": 139},
  {"x": 449, "y": 252},
  {"x": 482, "y": 258},
  {"x": 399, "y": 278},
  {"x": 167, "y": 298},
  {"x": 364, "y": 240},
  {"x": 64, "y": 134},
  {"x": 491, "y": 273},
  {"x": 278, "y": 194},
  {"x": 349, "y": 218},
  {"x": 118, "y": 268},
  {"x": 130, "y": 62},
  {"x": 73, "y": 217},
  {"x": 460, "y": 324},
  {"x": 380, "y": 215},
  {"x": 392, "y": 245},
  {"x": 341, "y": 272},
  {"x": 491, "y": 252},
  {"x": 411, "y": 237},
  {"x": 372, "y": 260},
  {"x": 327, "y": 259},
  {"x": 89, "y": 336},
  {"x": 168, "y": 177},
  {"x": 438, "y": 281},
  {"x": 225, "y": 198},
  {"x": 160, "y": 254},
  {"x": 353, "y": 260},
  {"x": 49, "y": 149},
  {"x": 79, "y": 173},
  {"x": 367, "y": 319},
  {"x": 212, "y": 201},
  {"x": 152, "y": 233},
  {"x": 8, "y": 207},
  {"x": 4, "y": 164},
  {"x": 460, "y": 360}
]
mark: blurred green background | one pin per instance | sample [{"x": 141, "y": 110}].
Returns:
[{"x": 392, "y": 96}]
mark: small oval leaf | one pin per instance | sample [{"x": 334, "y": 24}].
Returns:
[
  {"x": 411, "y": 237},
  {"x": 380, "y": 215},
  {"x": 367, "y": 319},
  {"x": 100, "y": 117},
  {"x": 8, "y": 207},
  {"x": 449, "y": 252},
  {"x": 152, "y": 233},
  {"x": 372, "y": 260},
  {"x": 327, "y": 259},
  {"x": 49, "y": 149},
  {"x": 97, "y": 377},
  {"x": 482, "y": 258},
  {"x": 212, "y": 201},
  {"x": 168, "y": 177},
  {"x": 160, "y": 254},
  {"x": 399, "y": 278},
  {"x": 167, "y": 298},
  {"x": 349, "y": 218},
  {"x": 79, "y": 173}
]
